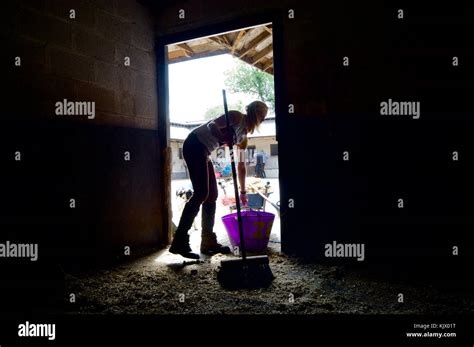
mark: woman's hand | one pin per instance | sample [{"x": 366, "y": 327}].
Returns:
[{"x": 243, "y": 198}]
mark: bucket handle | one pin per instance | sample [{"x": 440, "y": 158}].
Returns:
[{"x": 259, "y": 213}]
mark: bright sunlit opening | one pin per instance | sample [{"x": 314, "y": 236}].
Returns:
[{"x": 196, "y": 85}]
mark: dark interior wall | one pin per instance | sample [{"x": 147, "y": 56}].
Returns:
[
  {"x": 67, "y": 157},
  {"x": 337, "y": 109}
]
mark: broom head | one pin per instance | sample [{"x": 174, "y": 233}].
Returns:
[{"x": 253, "y": 272}]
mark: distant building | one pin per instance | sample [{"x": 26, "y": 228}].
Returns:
[
  {"x": 263, "y": 139},
  {"x": 178, "y": 133}
]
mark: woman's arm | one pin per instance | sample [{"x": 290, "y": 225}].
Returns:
[
  {"x": 215, "y": 131},
  {"x": 242, "y": 170},
  {"x": 242, "y": 173},
  {"x": 219, "y": 125}
]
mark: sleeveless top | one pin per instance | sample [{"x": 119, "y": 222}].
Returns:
[{"x": 211, "y": 142}]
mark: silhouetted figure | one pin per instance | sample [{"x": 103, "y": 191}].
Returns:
[{"x": 196, "y": 151}]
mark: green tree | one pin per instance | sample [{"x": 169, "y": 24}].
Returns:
[
  {"x": 215, "y": 111},
  {"x": 244, "y": 78}
]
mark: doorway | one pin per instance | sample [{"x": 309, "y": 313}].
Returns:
[{"x": 191, "y": 58}]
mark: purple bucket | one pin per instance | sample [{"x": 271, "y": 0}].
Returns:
[{"x": 256, "y": 225}]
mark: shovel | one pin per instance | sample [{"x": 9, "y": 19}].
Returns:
[{"x": 245, "y": 272}]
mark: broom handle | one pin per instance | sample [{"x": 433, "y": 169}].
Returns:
[{"x": 234, "y": 176}]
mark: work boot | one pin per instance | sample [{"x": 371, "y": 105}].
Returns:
[
  {"x": 209, "y": 244},
  {"x": 180, "y": 244}
]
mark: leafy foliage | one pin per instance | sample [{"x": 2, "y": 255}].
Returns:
[
  {"x": 216, "y": 111},
  {"x": 247, "y": 79}
]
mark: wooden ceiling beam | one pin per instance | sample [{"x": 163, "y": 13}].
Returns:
[
  {"x": 260, "y": 55},
  {"x": 267, "y": 65},
  {"x": 226, "y": 40},
  {"x": 247, "y": 60},
  {"x": 240, "y": 37},
  {"x": 255, "y": 42},
  {"x": 178, "y": 54},
  {"x": 215, "y": 39},
  {"x": 184, "y": 52},
  {"x": 186, "y": 47},
  {"x": 198, "y": 55},
  {"x": 220, "y": 41}
]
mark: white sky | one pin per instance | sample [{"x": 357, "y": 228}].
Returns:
[{"x": 197, "y": 84}]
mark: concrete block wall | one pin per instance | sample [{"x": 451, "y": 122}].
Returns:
[
  {"x": 71, "y": 156},
  {"x": 83, "y": 59}
]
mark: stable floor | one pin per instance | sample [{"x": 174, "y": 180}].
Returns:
[{"x": 161, "y": 284}]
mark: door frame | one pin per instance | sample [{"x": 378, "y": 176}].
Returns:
[{"x": 161, "y": 42}]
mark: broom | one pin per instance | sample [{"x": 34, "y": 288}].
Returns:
[{"x": 248, "y": 272}]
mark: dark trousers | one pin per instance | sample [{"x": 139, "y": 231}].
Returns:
[
  {"x": 203, "y": 179},
  {"x": 260, "y": 170}
]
